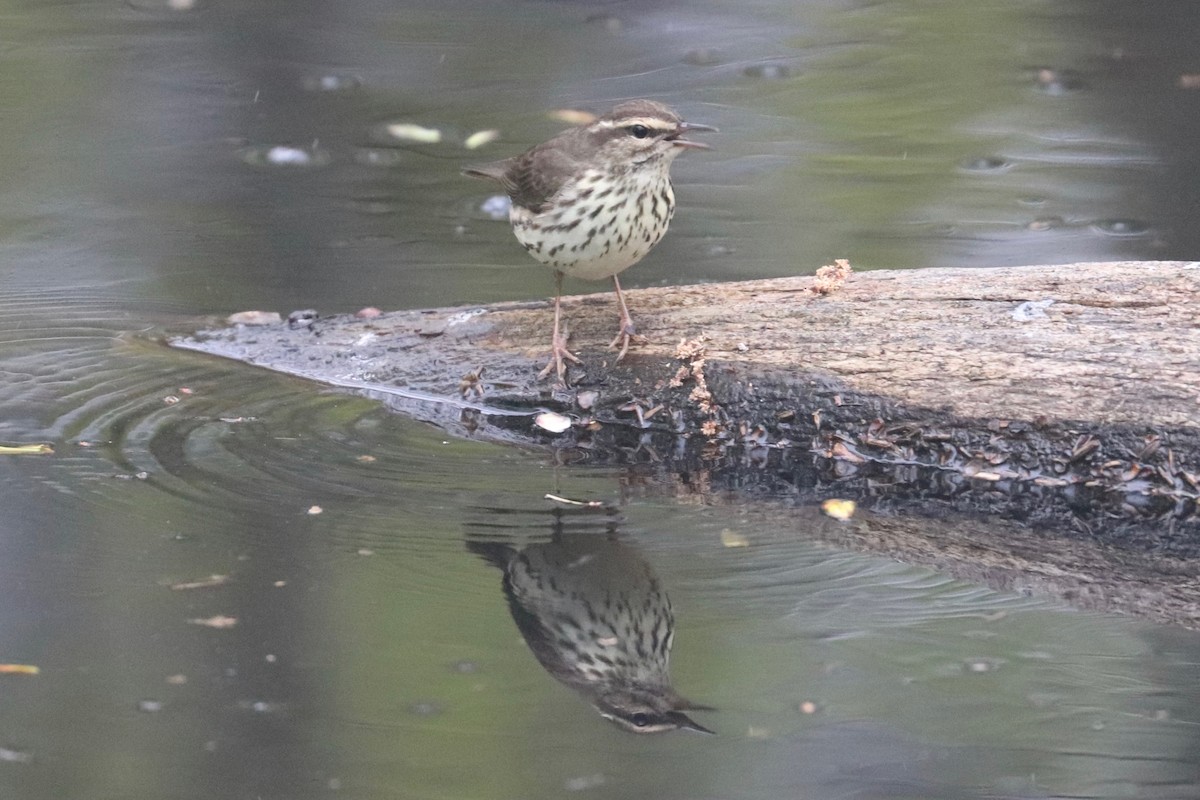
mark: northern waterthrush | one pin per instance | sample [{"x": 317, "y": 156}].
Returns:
[
  {"x": 593, "y": 201},
  {"x": 596, "y": 617}
]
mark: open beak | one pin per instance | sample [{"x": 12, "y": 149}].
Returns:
[{"x": 690, "y": 127}]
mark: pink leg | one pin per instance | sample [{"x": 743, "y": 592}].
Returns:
[
  {"x": 626, "y": 333},
  {"x": 559, "y": 343}
]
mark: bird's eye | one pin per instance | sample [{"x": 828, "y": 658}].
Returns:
[
  {"x": 640, "y": 719},
  {"x": 639, "y": 131}
]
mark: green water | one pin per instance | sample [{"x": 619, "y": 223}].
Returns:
[{"x": 367, "y": 651}]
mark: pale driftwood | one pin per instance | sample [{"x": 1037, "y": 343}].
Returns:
[{"x": 1064, "y": 399}]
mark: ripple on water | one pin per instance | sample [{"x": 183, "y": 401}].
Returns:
[{"x": 183, "y": 446}]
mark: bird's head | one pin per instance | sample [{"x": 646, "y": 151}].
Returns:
[{"x": 642, "y": 131}]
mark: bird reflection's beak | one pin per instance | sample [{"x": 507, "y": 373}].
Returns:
[
  {"x": 686, "y": 723},
  {"x": 690, "y": 127}
]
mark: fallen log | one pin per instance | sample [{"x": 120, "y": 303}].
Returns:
[{"x": 1063, "y": 400}]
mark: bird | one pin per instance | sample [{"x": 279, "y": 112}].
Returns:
[
  {"x": 596, "y": 617},
  {"x": 592, "y": 202}
]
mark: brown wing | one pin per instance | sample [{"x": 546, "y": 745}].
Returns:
[{"x": 534, "y": 177}]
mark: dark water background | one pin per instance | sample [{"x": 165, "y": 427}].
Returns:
[{"x": 373, "y": 655}]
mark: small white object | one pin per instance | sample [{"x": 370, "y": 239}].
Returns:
[
  {"x": 496, "y": 206},
  {"x": 411, "y": 132},
  {"x": 551, "y": 421},
  {"x": 458, "y": 318},
  {"x": 288, "y": 156},
  {"x": 480, "y": 138},
  {"x": 1031, "y": 310}
]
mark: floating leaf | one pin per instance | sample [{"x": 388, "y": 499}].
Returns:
[
  {"x": 839, "y": 509},
  {"x": 18, "y": 669},
  {"x": 411, "y": 132},
  {"x": 480, "y": 139},
  {"x": 573, "y": 116},
  {"x": 26, "y": 449}
]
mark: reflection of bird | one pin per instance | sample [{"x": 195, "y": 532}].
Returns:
[
  {"x": 596, "y": 617},
  {"x": 592, "y": 201}
]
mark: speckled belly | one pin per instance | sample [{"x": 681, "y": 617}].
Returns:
[{"x": 600, "y": 225}]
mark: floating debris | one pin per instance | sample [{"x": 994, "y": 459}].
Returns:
[
  {"x": 220, "y": 621},
  {"x": 841, "y": 510},
  {"x": 175, "y": 6},
  {"x": 411, "y": 132},
  {"x": 480, "y": 139},
  {"x": 331, "y": 83},
  {"x": 496, "y": 207},
  {"x": 314, "y": 510},
  {"x": 282, "y": 155},
  {"x": 1045, "y": 224},
  {"x": 573, "y": 116},
  {"x": 1120, "y": 227},
  {"x": 203, "y": 583},
  {"x": 19, "y": 669},
  {"x": 15, "y": 756},
  {"x": 40, "y": 449},
  {"x": 569, "y": 502}
]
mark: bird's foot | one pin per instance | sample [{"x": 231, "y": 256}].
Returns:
[
  {"x": 559, "y": 352},
  {"x": 626, "y": 336}
]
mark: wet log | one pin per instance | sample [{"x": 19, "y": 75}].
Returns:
[{"x": 1061, "y": 399}]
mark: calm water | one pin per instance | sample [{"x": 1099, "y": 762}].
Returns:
[{"x": 369, "y": 650}]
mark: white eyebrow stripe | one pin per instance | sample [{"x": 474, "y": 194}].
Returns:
[{"x": 654, "y": 123}]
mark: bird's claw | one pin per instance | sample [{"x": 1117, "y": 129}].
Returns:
[
  {"x": 626, "y": 336},
  {"x": 559, "y": 351}
]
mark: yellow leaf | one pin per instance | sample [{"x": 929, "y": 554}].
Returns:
[
  {"x": 839, "y": 509},
  {"x": 18, "y": 669},
  {"x": 25, "y": 449}
]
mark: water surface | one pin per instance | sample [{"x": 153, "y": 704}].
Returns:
[{"x": 352, "y": 643}]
